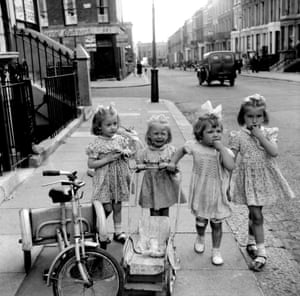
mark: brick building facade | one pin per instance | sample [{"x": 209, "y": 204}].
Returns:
[{"x": 97, "y": 25}]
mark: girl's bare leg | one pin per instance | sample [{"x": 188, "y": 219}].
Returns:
[
  {"x": 257, "y": 223},
  {"x": 119, "y": 236},
  {"x": 201, "y": 224},
  {"x": 216, "y": 233},
  {"x": 216, "y": 226},
  {"x": 258, "y": 231}
]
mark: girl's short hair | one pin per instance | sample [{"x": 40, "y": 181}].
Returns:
[
  {"x": 155, "y": 120},
  {"x": 203, "y": 122},
  {"x": 100, "y": 114},
  {"x": 254, "y": 101}
]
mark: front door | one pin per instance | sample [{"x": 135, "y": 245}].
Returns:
[{"x": 105, "y": 63}]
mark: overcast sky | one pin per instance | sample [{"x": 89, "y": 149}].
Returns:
[{"x": 169, "y": 17}]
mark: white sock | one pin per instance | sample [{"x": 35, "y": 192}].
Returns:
[
  {"x": 118, "y": 228},
  {"x": 201, "y": 239},
  {"x": 261, "y": 250},
  {"x": 216, "y": 251},
  {"x": 251, "y": 240}
]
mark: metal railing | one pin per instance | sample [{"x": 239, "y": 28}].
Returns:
[
  {"x": 17, "y": 124},
  {"x": 61, "y": 94},
  {"x": 24, "y": 121},
  {"x": 39, "y": 53}
]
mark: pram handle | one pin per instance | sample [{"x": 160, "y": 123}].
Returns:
[{"x": 151, "y": 166}]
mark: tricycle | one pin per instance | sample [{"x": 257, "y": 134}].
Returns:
[{"x": 81, "y": 266}]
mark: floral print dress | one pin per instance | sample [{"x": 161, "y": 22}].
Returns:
[
  {"x": 209, "y": 182},
  {"x": 159, "y": 188},
  {"x": 257, "y": 181},
  {"x": 111, "y": 181}
]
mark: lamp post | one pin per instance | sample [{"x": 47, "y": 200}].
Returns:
[
  {"x": 154, "y": 71},
  {"x": 240, "y": 34}
]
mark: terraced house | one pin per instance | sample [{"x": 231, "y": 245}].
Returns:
[{"x": 269, "y": 29}]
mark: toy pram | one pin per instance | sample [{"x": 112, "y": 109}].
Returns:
[{"x": 149, "y": 255}]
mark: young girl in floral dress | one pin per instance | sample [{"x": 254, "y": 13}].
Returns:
[
  {"x": 159, "y": 188},
  {"x": 212, "y": 162},
  {"x": 108, "y": 156},
  {"x": 258, "y": 181}
]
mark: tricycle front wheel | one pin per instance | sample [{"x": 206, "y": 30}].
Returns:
[{"x": 102, "y": 269}]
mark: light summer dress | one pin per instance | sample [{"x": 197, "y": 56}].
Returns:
[
  {"x": 209, "y": 182},
  {"x": 257, "y": 180},
  {"x": 159, "y": 188},
  {"x": 111, "y": 181}
]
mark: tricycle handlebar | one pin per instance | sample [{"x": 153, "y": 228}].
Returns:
[{"x": 56, "y": 173}]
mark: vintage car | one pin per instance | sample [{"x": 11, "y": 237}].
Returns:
[{"x": 217, "y": 65}]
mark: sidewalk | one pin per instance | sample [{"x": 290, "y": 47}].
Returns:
[
  {"x": 196, "y": 274},
  {"x": 130, "y": 81},
  {"x": 286, "y": 76}
]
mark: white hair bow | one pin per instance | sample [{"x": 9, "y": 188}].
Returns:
[
  {"x": 256, "y": 97},
  {"x": 160, "y": 118},
  {"x": 101, "y": 108},
  {"x": 207, "y": 109}
]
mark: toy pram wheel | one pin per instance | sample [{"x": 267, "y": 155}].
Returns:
[
  {"x": 27, "y": 261},
  {"x": 170, "y": 280}
]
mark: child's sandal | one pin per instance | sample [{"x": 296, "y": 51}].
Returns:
[
  {"x": 258, "y": 263},
  {"x": 120, "y": 237},
  {"x": 251, "y": 250}
]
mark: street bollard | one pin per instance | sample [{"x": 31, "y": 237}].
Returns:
[{"x": 154, "y": 86}]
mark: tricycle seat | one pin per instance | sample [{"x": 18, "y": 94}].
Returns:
[
  {"x": 45, "y": 221},
  {"x": 60, "y": 195}
]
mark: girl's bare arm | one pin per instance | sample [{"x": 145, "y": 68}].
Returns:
[
  {"x": 175, "y": 158},
  {"x": 228, "y": 159},
  {"x": 270, "y": 147}
]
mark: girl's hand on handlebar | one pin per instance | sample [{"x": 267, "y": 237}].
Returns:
[
  {"x": 171, "y": 167},
  {"x": 162, "y": 165},
  {"x": 140, "y": 167},
  {"x": 114, "y": 156}
]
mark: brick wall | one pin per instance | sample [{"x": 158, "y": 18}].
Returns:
[
  {"x": 55, "y": 12},
  {"x": 86, "y": 12}
]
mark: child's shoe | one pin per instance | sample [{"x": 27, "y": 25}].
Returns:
[
  {"x": 216, "y": 257},
  {"x": 199, "y": 245},
  {"x": 120, "y": 237},
  {"x": 251, "y": 250},
  {"x": 258, "y": 263}
]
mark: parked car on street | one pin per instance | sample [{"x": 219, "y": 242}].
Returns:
[{"x": 217, "y": 65}]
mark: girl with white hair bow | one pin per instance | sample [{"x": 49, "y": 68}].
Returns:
[{"x": 212, "y": 162}]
